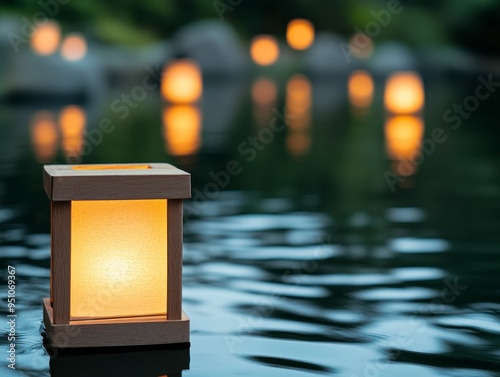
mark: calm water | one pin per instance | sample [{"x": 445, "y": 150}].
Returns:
[{"x": 307, "y": 261}]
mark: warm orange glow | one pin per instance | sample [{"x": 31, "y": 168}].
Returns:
[
  {"x": 182, "y": 129},
  {"x": 361, "y": 46},
  {"x": 298, "y": 102},
  {"x": 72, "y": 122},
  {"x": 111, "y": 167},
  {"x": 361, "y": 87},
  {"x": 298, "y": 143},
  {"x": 44, "y": 136},
  {"x": 264, "y": 49},
  {"x": 74, "y": 47},
  {"x": 300, "y": 34},
  {"x": 264, "y": 94},
  {"x": 404, "y": 93},
  {"x": 118, "y": 258},
  {"x": 182, "y": 82},
  {"x": 45, "y": 38},
  {"x": 403, "y": 135}
]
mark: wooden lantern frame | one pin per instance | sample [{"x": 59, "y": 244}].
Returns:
[{"x": 66, "y": 183}]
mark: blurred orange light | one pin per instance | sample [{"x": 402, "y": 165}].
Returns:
[
  {"x": 182, "y": 129},
  {"x": 264, "y": 49},
  {"x": 45, "y": 38},
  {"x": 403, "y": 134},
  {"x": 361, "y": 46},
  {"x": 74, "y": 47},
  {"x": 72, "y": 122},
  {"x": 361, "y": 87},
  {"x": 182, "y": 82},
  {"x": 264, "y": 94},
  {"x": 298, "y": 143},
  {"x": 298, "y": 102},
  {"x": 300, "y": 34},
  {"x": 44, "y": 136},
  {"x": 404, "y": 93}
]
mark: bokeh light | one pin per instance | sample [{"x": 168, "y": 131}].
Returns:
[
  {"x": 403, "y": 135},
  {"x": 264, "y": 49},
  {"x": 74, "y": 47},
  {"x": 72, "y": 122},
  {"x": 45, "y": 38},
  {"x": 44, "y": 136},
  {"x": 360, "y": 88},
  {"x": 404, "y": 93},
  {"x": 182, "y": 129},
  {"x": 298, "y": 108},
  {"x": 264, "y": 95},
  {"x": 300, "y": 34},
  {"x": 182, "y": 81}
]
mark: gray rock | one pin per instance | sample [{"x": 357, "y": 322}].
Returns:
[
  {"x": 214, "y": 45},
  {"x": 326, "y": 56}
]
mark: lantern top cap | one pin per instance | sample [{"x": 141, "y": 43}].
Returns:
[{"x": 116, "y": 182}]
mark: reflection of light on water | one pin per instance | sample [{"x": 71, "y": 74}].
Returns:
[
  {"x": 182, "y": 129},
  {"x": 300, "y": 34},
  {"x": 72, "y": 122},
  {"x": 264, "y": 49},
  {"x": 361, "y": 46},
  {"x": 403, "y": 135},
  {"x": 404, "y": 93},
  {"x": 74, "y": 47},
  {"x": 182, "y": 81},
  {"x": 44, "y": 136},
  {"x": 360, "y": 87},
  {"x": 264, "y": 94},
  {"x": 298, "y": 107},
  {"x": 45, "y": 38}
]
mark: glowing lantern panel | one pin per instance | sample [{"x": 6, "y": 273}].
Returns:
[{"x": 118, "y": 257}]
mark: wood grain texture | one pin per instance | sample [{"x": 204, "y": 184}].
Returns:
[
  {"x": 63, "y": 183},
  {"x": 174, "y": 255},
  {"x": 61, "y": 260},
  {"x": 117, "y": 332}
]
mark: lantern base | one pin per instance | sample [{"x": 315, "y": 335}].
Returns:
[{"x": 138, "y": 331}]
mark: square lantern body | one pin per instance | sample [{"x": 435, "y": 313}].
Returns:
[{"x": 116, "y": 255}]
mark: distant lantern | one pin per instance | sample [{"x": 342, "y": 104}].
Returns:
[
  {"x": 182, "y": 81},
  {"x": 361, "y": 46},
  {"x": 74, "y": 47},
  {"x": 264, "y": 49},
  {"x": 300, "y": 34},
  {"x": 45, "y": 38},
  {"x": 116, "y": 255},
  {"x": 404, "y": 93}
]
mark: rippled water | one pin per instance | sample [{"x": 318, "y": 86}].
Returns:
[{"x": 305, "y": 264}]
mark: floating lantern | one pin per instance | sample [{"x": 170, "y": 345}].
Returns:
[
  {"x": 300, "y": 34},
  {"x": 404, "y": 93},
  {"x": 116, "y": 255},
  {"x": 264, "y": 49},
  {"x": 182, "y": 82}
]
